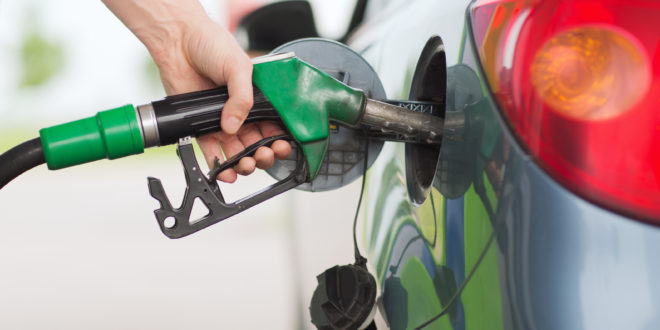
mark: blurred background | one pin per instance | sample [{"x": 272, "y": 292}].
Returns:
[{"x": 80, "y": 247}]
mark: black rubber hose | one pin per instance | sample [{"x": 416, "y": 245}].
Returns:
[{"x": 20, "y": 159}]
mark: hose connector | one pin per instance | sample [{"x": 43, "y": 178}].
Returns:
[{"x": 111, "y": 134}]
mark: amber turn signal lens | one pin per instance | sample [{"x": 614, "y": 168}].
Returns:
[{"x": 590, "y": 73}]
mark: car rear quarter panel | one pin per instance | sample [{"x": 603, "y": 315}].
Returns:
[
  {"x": 515, "y": 250},
  {"x": 422, "y": 253}
]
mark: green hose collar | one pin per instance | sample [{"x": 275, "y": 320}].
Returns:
[{"x": 111, "y": 134}]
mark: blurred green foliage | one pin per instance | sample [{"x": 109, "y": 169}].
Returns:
[
  {"x": 41, "y": 59},
  {"x": 10, "y": 137}
]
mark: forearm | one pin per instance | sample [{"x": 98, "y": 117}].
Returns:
[{"x": 160, "y": 25}]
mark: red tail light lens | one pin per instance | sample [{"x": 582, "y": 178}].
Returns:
[{"x": 579, "y": 82}]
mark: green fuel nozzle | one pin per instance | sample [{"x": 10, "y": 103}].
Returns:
[
  {"x": 287, "y": 89},
  {"x": 304, "y": 99}
]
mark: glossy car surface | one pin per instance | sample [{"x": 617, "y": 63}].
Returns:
[{"x": 497, "y": 243}]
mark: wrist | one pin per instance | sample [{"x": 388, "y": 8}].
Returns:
[{"x": 160, "y": 25}]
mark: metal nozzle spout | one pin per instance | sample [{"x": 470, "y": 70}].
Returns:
[{"x": 421, "y": 127}]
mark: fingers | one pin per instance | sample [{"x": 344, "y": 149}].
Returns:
[
  {"x": 213, "y": 145},
  {"x": 251, "y": 134},
  {"x": 248, "y": 135},
  {"x": 232, "y": 145},
  {"x": 270, "y": 128},
  {"x": 264, "y": 157},
  {"x": 210, "y": 147},
  {"x": 205, "y": 56},
  {"x": 215, "y": 55},
  {"x": 282, "y": 149}
]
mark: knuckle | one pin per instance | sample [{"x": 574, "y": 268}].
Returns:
[
  {"x": 245, "y": 102},
  {"x": 228, "y": 175},
  {"x": 224, "y": 139}
]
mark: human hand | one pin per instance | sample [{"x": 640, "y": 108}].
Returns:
[{"x": 194, "y": 53}]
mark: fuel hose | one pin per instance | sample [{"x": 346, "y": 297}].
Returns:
[
  {"x": 126, "y": 130},
  {"x": 288, "y": 90},
  {"x": 20, "y": 159}
]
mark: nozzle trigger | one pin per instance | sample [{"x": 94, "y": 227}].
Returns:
[{"x": 207, "y": 190}]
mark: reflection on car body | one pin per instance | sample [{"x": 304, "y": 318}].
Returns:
[{"x": 517, "y": 226}]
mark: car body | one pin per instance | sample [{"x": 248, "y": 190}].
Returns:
[
  {"x": 541, "y": 208},
  {"x": 513, "y": 247}
]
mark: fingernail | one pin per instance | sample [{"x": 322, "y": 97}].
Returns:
[{"x": 232, "y": 125}]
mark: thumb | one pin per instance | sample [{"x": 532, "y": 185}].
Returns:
[
  {"x": 216, "y": 55},
  {"x": 241, "y": 97}
]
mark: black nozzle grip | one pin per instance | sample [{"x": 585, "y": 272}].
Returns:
[{"x": 198, "y": 113}]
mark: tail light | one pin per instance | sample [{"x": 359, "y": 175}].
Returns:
[{"x": 579, "y": 83}]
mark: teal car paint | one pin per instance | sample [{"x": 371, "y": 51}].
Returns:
[
  {"x": 498, "y": 244},
  {"x": 409, "y": 248}
]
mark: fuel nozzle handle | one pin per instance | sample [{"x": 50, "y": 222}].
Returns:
[
  {"x": 165, "y": 121},
  {"x": 302, "y": 97},
  {"x": 127, "y": 130}
]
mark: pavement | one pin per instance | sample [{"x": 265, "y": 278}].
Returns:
[{"x": 80, "y": 249}]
